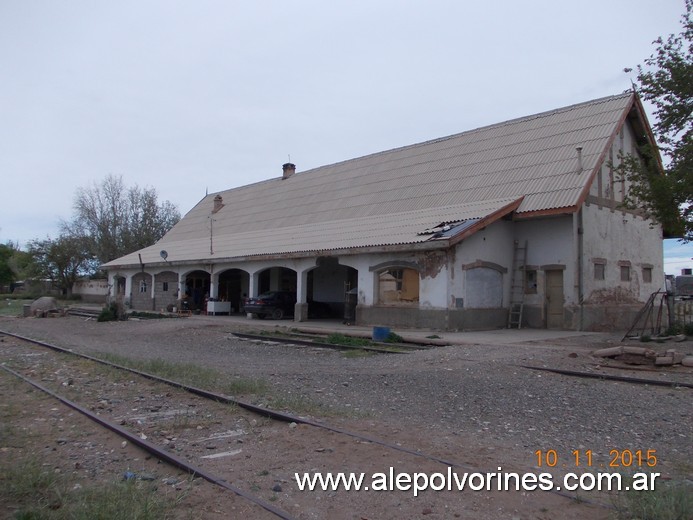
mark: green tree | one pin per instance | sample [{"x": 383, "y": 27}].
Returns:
[
  {"x": 115, "y": 220},
  {"x": 62, "y": 260},
  {"x": 7, "y": 276},
  {"x": 14, "y": 263},
  {"x": 666, "y": 80}
]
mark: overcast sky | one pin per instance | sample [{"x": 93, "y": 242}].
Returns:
[{"x": 205, "y": 95}]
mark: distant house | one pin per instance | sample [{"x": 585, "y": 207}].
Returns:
[{"x": 515, "y": 222}]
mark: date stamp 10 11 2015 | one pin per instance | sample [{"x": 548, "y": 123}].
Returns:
[{"x": 625, "y": 458}]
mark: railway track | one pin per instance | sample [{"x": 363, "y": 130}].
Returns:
[{"x": 249, "y": 450}]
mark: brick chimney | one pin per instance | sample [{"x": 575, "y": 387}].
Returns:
[
  {"x": 218, "y": 203},
  {"x": 289, "y": 169}
]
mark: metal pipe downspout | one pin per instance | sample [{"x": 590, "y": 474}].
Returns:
[{"x": 579, "y": 237}]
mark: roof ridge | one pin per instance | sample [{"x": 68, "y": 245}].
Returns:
[{"x": 513, "y": 121}]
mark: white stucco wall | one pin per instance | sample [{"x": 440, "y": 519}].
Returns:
[
  {"x": 550, "y": 242},
  {"x": 617, "y": 238}
]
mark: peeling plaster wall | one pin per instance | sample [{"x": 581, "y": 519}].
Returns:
[{"x": 616, "y": 239}]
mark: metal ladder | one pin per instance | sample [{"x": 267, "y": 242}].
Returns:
[{"x": 517, "y": 285}]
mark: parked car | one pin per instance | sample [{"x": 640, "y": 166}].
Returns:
[{"x": 275, "y": 304}]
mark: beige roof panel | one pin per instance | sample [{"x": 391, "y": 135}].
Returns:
[{"x": 387, "y": 197}]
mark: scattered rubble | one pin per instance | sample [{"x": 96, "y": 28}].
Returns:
[{"x": 642, "y": 355}]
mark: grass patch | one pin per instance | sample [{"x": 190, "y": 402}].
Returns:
[
  {"x": 669, "y": 501},
  {"x": 358, "y": 353},
  {"x": 191, "y": 374},
  {"x": 30, "y": 480},
  {"x": 143, "y": 315},
  {"x": 11, "y": 307},
  {"x": 298, "y": 405},
  {"x": 37, "y": 492},
  {"x": 349, "y": 341}
]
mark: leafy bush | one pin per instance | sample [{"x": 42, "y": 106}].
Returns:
[
  {"x": 112, "y": 312},
  {"x": 394, "y": 338}
]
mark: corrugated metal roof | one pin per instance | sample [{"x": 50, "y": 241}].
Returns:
[{"x": 388, "y": 197}]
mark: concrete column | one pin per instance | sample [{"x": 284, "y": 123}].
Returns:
[
  {"x": 213, "y": 285},
  {"x": 181, "y": 291},
  {"x": 252, "y": 289},
  {"x": 152, "y": 293},
  {"x": 301, "y": 307},
  {"x": 128, "y": 290}
]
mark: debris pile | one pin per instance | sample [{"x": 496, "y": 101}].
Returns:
[
  {"x": 46, "y": 306},
  {"x": 645, "y": 356}
]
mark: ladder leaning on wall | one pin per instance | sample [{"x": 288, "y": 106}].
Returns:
[{"x": 517, "y": 285}]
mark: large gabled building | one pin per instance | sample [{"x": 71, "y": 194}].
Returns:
[{"x": 518, "y": 221}]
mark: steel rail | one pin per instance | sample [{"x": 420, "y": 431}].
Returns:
[
  {"x": 154, "y": 449},
  {"x": 260, "y": 410},
  {"x": 610, "y": 377},
  {"x": 273, "y": 414},
  {"x": 308, "y": 343}
]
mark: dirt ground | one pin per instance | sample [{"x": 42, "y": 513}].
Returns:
[{"x": 474, "y": 426}]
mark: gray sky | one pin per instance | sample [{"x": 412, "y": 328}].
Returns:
[{"x": 208, "y": 95}]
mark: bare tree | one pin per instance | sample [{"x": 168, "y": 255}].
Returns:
[{"x": 117, "y": 220}]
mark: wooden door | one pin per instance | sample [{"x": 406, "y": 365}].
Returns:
[{"x": 554, "y": 299}]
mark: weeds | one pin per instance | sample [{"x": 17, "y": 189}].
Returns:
[
  {"x": 669, "y": 501},
  {"x": 393, "y": 337},
  {"x": 358, "y": 353},
  {"x": 112, "y": 312},
  {"x": 349, "y": 341},
  {"x": 191, "y": 374},
  {"x": 39, "y": 493}
]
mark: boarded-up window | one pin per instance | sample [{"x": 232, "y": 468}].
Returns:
[
  {"x": 599, "y": 271},
  {"x": 484, "y": 288},
  {"x": 647, "y": 274},
  {"x": 398, "y": 286}
]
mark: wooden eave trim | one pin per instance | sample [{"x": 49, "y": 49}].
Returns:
[
  {"x": 609, "y": 143},
  {"x": 636, "y": 104},
  {"x": 648, "y": 131},
  {"x": 552, "y": 212}
]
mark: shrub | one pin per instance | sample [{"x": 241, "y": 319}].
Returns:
[
  {"x": 112, "y": 312},
  {"x": 394, "y": 338}
]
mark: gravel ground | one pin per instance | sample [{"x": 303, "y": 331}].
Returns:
[{"x": 476, "y": 392}]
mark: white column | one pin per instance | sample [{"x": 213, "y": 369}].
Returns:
[
  {"x": 213, "y": 286},
  {"x": 127, "y": 297}
]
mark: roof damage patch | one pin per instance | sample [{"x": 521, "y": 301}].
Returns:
[{"x": 446, "y": 230}]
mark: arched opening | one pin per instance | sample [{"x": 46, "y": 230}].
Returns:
[
  {"x": 276, "y": 294},
  {"x": 277, "y": 279},
  {"x": 197, "y": 285},
  {"x": 328, "y": 286},
  {"x": 233, "y": 288}
]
